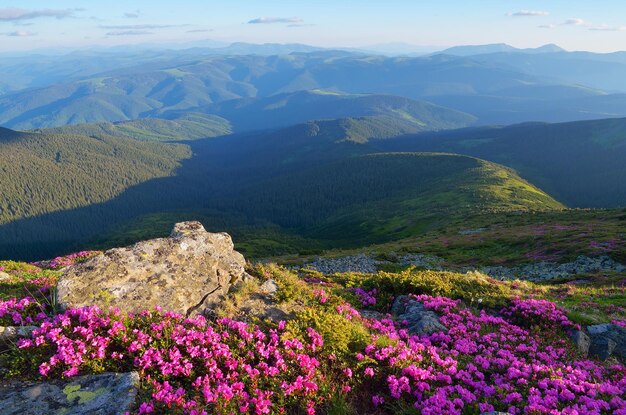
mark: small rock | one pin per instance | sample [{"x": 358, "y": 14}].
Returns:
[
  {"x": 602, "y": 347},
  {"x": 104, "y": 394},
  {"x": 495, "y": 413},
  {"x": 582, "y": 342},
  {"x": 419, "y": 319},
  {"x": 4, "y": 276},
  {"x": 371, "y": 314},
  {"x": 608, "y": 340},
  {"x": 12, "y": 333},
  {"x": 399, "y": 304},
  {"x": 269, "y": 287},
  {"x": 598, "y": 329}
]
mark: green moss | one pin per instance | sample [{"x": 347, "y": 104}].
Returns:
[{"x": 73, "y": 392}]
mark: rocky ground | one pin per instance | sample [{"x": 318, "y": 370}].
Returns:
[{"x": 539, "y": 271}]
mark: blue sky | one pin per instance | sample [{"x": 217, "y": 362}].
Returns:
[{"x": 598, "y": 25}]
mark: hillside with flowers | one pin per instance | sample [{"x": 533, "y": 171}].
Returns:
[{"x": 343, "y": 346}]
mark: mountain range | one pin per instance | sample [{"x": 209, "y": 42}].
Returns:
[
  {"x": 496, "y": 84},
  {"x": 303, "y": 150}
]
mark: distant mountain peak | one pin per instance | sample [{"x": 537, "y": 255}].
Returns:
[
  {"x": 469, "y": 50},
  {"x": 548, "y": 48}
]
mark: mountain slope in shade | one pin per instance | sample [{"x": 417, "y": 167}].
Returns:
[
  {"x": 579, "y": 163},
  {"x": 46, "y": 172}
]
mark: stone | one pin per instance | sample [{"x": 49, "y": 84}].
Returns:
[
  {"x": 582, "y": 342},
  {"x": 103, "y": 394},
  {"x": 356, "y": 263},
  {"x": 419, "y": 319},
  {"x": 598, "y": 329},
  {"x": 608, "y": 340},
  {"x": 269, "y": 287},
  {"x": 495, "y": 413},
  {"x": 189, "y": 273},
  {"x": 10, "y": 334},
  {"x": 4, "y": 276},
  {"x": 602, "y": 347}
]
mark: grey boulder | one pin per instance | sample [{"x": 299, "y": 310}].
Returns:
[
  {"x": 419, "y": 319},
  {"x": 104, "y": 394}
]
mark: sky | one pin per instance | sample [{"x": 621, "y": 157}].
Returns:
[{"x": 594, "y": 25}]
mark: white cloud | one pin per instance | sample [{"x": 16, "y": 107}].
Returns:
[
  {"x": 547, "y": 26},
  {"x": 270, "y": 20},
  {"x": 19, "y": 33},
  {"x": 14, "y": 14},
  {"x": 139, "y": 26},
  {"x": 607, "y": 28},
  {"x": 574, "y": 21},
  {"x": 132, "y": 15},
  {"x": 530, "y": 13},
  {"x": 129, "y": 33}
]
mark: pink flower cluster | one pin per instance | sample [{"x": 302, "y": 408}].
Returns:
[
  {"x": 191, "y": 365},
  {"x": 321, "y": 295},
  {"x": 26, "y": 311},
  {"x": 532, "y": 312},
  {"x": 367, "y": 298},
  {"x": 486, "y": 363},
  {"x": 67, "y": 260}
]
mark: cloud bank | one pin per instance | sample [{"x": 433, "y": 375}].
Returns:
[{"x": 530, "y": 13}]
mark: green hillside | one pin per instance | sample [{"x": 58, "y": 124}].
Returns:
[
  {"x": 581, "y": 163},
  {"x": 188, "y": 126},
  {"x": 47, "y": 172}
]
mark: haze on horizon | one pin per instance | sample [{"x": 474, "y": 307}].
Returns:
[{"x": 598, "y": 26}]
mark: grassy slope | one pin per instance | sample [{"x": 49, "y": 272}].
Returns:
[
  {"x": 580, "y": 163},
  {"x": 511, "y": 239}
]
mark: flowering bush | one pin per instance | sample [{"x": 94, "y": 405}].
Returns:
[
  {"x": 190, "y": 365},
  {"x": 26, "y": 311},
  {"x": 486, "y": 363},
  {"x": 65, "y": 261},
  {"x": 367, "y": 298}
]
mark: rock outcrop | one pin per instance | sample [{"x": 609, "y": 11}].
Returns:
[
  {"x": 419, "y": 320},
  {"x": 188, "y": 273},
  {"x": 104, "y": 394},
  {"x": 607, "y": 340}
]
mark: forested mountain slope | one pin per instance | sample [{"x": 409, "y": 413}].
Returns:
[{"x": 47, "y": 172}]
